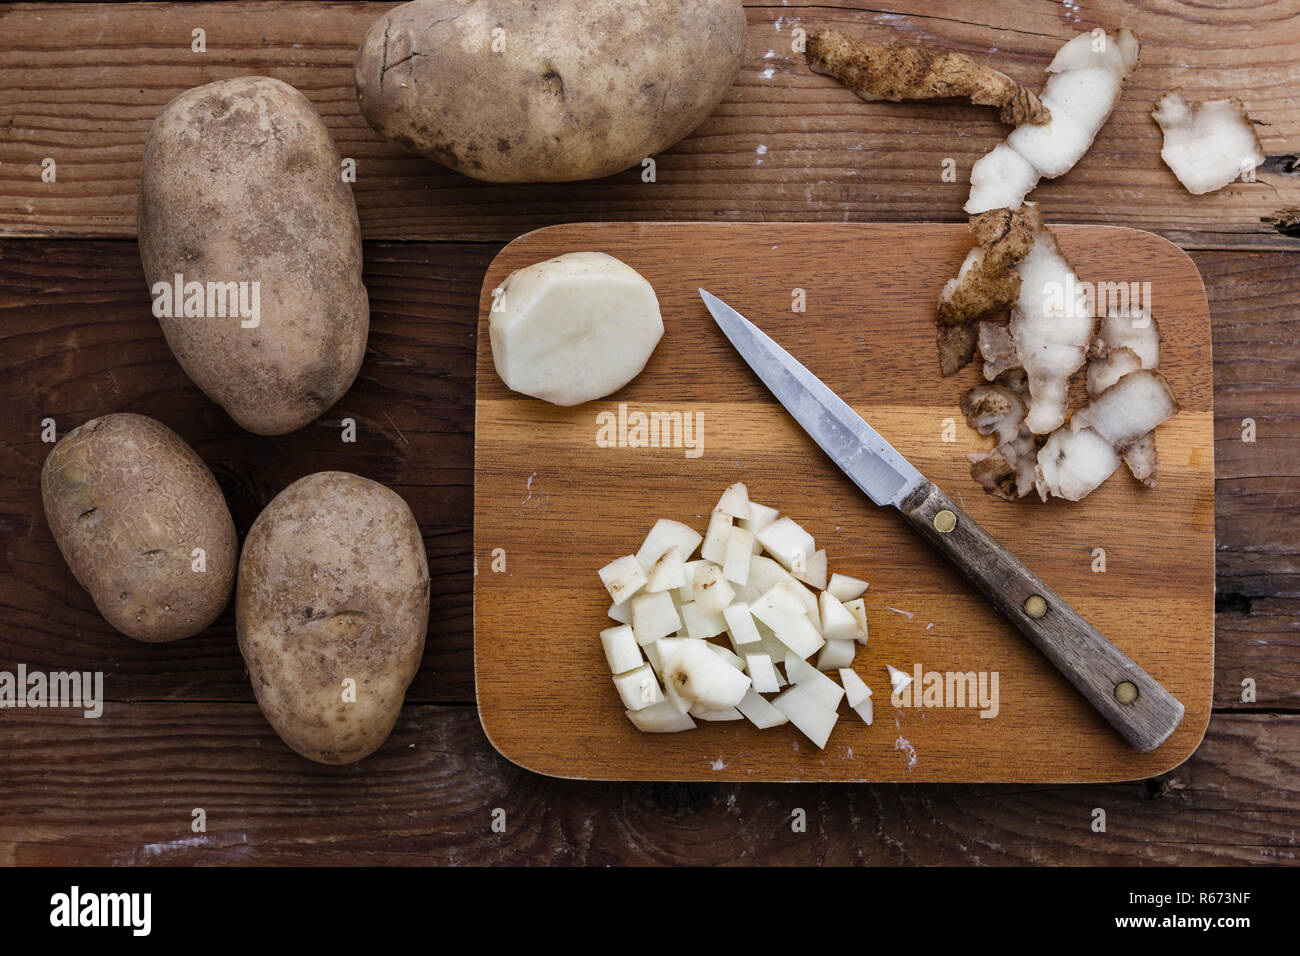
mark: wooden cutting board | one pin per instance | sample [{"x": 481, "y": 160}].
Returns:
[{"x": 554, "y": 502}]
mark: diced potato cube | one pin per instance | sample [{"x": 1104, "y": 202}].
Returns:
[
  {"x": 638, "y": 688},
  {"x": 654, "y": 616},
  {"x": 622, "y": 578},
  {"x": 621, "y": 649},
  {"x": 711, "y": 590}
]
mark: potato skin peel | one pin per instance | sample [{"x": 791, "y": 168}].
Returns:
[
  {"x": 991, "y": 284},
  {"x": 241, "y": 182},
  {"x": 333, "y": 584},
  {"x": 580, "y": 90},
  {"x": 1073, "y": 453},
  {"x": 128, "y": 501},
  {"x": 1206, "y": 145},
  {"x": 899, "y": 72}
]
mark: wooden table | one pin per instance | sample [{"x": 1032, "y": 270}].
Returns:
[{"x": 81, "y": 83}]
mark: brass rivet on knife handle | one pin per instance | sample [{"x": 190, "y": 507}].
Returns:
[
  {"x": 1143, "y": 712},
  {"x": 945, "y": 521}
]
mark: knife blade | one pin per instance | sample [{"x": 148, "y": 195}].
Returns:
[{"x": 1132, "y": 702}]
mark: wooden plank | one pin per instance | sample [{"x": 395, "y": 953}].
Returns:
[
  {"x": 1256, "y": 382},
  {"x": 78, "y": 341},
  {"x": 81, "y": 84},
  {"x": 561, "y": 503},
  {"x": 122, "y": 790}
]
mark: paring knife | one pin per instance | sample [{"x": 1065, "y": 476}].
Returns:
[{"x": 1134, "y": 703}]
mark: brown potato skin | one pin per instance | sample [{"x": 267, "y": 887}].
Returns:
[
  {"x": 583, "y": 88},
  {"x": 242, "y": 182},
  {"x": 333, "y": 583},
  {"x": 127, "y": 501}
]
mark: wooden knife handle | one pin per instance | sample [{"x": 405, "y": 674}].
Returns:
[{"x": 1133, "y": 702}]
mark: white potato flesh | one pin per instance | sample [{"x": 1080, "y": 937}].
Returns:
[
  {"x": 808, "y": 599},
  {"x": 1105, "y": 372},
  {"x": 1208, "y": 145},
  {"x": 621, "y": 612},
  {"x": 759, "y": 712},
  {"x": 1122, "y": 329},
  {"x": 1051, "y": 334},
  {"x": 806, "y": 711},
  {"x": 730, "y": 657},
  {"x": 1082, "y": 89},
  {"x": 858, "y": 608},
  {"x": 573, "y": 328},
  {"x": 1000, "y": 179},
  {"x": 1116, "y": 51},
  {"x": 740, "y": 623},
  {"x": 837, "y": 623},
  {"x": 664, "y": 535},
  {"x": 668, "y": 573},
  {"x": 622, "y": 578},
  {"x": 770, "y": 645},
  {"x": 785, "y": 614},
  {"x": 715, "y": 539},
  {"x": 800, "y": 672},
  {"x": 855, "y": 688},
  {"x": 687, "y": 592},
  {"x": 866, "y": 711},
  {"x": 813, "y": 570},
  {"x": 787, "y": 542},
  {"x": 760, "y": 516},
  {"x": 778, "y": 615},
  {"x": 764, "y": 573},
  {"x": 726, "y": 713},
  {"x": 1129, "y": 409},
  {"x": 836, "y": 654},
  {"x": 701, "y": 677},
  {"x": 738, "y": 556},
  {"x": 735, "y": 501},
  {"x": 844, "y": 588},
  {"x": 898, "y": 679},
  {"x": 638, "y": 688},
  {"x": 652, "y": 655},
  {"x": 1080, "y": 101},
  {"x": 778, "y": 607},
  {"x": 762, "y": 672},
  {"x": 621, "y": 649},
  {"x": 700, "y": 625},
  {"x": 801, "y": 637},
  {"x": 654, "y": 616},
  {"x": 711, "y": 590},
  {"x": 1072, "y": 464},
  {"x": 662, "y": 718}
]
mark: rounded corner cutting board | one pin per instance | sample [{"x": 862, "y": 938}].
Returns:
[{"x": 555, "y": 499}]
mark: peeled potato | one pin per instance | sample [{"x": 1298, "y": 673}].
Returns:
[{"x": 573, "y": 328}]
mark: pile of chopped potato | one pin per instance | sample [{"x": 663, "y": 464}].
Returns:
[{"x": 756, "y": 582}]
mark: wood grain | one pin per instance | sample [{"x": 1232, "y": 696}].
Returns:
[
  {"x": 124, "y": 792},
  {"x": 81, "y": 84},
  {"x": 1257, "y": 494},
  {"x": 561, "y": 506},
  {"x": 1083, "y": 655},
  {"x": 122, "y": 789},
  {"x": 77, "y": 340}
]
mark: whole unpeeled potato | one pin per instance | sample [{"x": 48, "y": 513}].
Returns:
[
  {"x": 142, "y": 524},
  {"x": 547, "y": 92},
  {"x": 242, "y": 185},
  {"x": 331, "y": 610}
]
